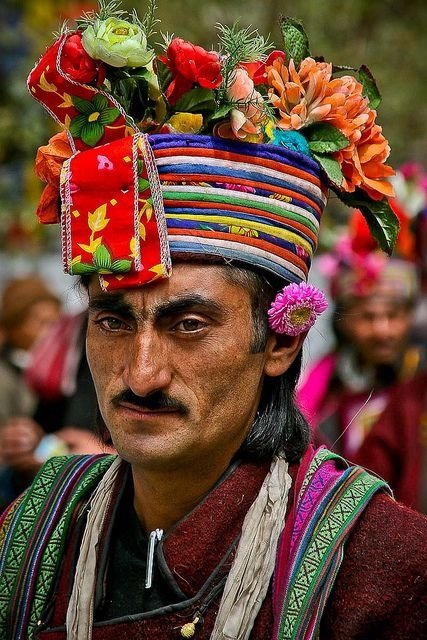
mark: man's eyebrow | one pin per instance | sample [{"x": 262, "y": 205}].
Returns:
[
  {"x": 115, "y": 303},
  {"x": 186, "y": 302},
  {"x": 110, "y": 302}
]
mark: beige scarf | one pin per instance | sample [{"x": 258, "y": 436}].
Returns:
[
  {"x": 249, "y": 577},
  {"x": 253, "y": 566}
]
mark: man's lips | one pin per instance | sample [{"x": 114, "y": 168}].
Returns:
[{"x": 145, "y": 410}]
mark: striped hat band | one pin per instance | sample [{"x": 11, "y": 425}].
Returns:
[{"x": 257, "y": 204}]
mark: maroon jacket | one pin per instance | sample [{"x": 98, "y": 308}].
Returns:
[
  {"x": 396, "y": 447},
  {"x": 380, "y": 592}
]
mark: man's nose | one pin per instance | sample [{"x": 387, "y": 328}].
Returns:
[
  {"x": 382, "y": 327},
  {"x": 146, "y": 369}
]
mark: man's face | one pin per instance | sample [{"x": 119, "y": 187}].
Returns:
[
  {"x": 377, "y": 328},
  {"x": 39, "y": 319},
  {"x": 176, "y": 381}
]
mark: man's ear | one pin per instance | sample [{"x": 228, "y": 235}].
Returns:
[{"x": 280, "y": 352}]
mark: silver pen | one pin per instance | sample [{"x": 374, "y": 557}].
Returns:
[{"x": 155, "y": 536}]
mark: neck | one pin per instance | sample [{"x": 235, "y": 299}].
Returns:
[{"x": 162, "y": 499}]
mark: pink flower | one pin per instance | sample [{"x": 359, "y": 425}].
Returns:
[
  {"x": 295, "y": 308},
  {"x": 247, "y": 114}
]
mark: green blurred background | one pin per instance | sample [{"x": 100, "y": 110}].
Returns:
[{"x": 389, "y": 36}]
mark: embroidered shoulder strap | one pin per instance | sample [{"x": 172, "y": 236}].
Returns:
[
  {"x": 332, "y": 497},
  {"x": 32, "y": 537}
]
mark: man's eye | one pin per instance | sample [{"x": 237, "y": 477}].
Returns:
[
  {"x": 111, "y": 324},
  {"x": 189, "y": 325}
]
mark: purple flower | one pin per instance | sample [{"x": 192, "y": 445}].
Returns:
[{"x": 295, "y": 309}]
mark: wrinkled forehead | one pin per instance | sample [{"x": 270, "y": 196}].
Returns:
[{"x": 190, "y": 285}]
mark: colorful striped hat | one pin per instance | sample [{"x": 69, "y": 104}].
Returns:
[{"x": 256, "y": 204}]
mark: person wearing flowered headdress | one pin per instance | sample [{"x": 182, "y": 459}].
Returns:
[
  {"x": 344, "y": 392},
  {"x": 396, "y": 446},
  {"x": 191, "y": 192}
]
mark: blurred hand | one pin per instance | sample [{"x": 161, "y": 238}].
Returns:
[{"x": 19, "y": 437}]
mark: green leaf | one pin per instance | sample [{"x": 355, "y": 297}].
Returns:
[
  {"x": 99, "y": 102},
  {"x": 338, "y": 68},
  {"x": 102, "y": 257},
  {"x": 77, "y": 124},
  {"x": 91, "y": 133},
  {"x": 108, "y": 115},
  {"x": 325, "y": 138},
  {"x": 140, "y": 73},
  {"x": 164, "y": 74},
  {"x": 84, "y": 106},
  {"x": 331, "y": 167},
  {"x": 195, "y": 101},
  {"x": 382, "y": 221},
  {"x": 143, "y": 184},
  {"x": 370, "y": 89},
  {"x": 82, "y": 268},
  {"x": 121, "y": 266},
  {"x": 295, "y": 40},
  {"x": 222, "y": 112}
]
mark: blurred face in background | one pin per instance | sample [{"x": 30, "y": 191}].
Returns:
[
  {"x": 37, "y": 321},
  {"x": 377, "y": 328}
]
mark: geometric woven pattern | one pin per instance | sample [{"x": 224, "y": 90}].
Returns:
[
  {"x": 35, "y": 536},
  {"x": 329, "y": 504}
]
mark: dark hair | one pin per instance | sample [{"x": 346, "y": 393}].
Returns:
[{"x": 279, "y": 426}]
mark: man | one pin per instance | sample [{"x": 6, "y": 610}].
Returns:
[
  {"x": 346, "y": 390},
  {"x": 28, "y": 308},
  {"x": 216, "y": 520}
]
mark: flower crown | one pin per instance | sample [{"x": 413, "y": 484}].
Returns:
[{"x": 242, "y": 90}]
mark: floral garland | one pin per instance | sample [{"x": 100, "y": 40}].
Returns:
[
  {"x": 243, "y": 91},
  {"x": 240, "y": 91}
]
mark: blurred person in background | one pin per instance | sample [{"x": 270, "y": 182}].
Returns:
[
  {"x": 410, "y": 184},
  {"x": 28, "y": 309},
  {"x": 344, "y": 392},
  {"x": 51, "y": 401},
  {"x": 396, "y": 447}
]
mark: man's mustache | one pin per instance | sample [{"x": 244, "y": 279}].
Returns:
[{"x": 153, "y": 402}]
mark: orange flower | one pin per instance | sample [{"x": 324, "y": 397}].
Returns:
[
  {"x": 48, "y": 207},
  {"x": 311, "y": 95},
  {"x": 49, "y": 160},
  {"x": 363, "y": 163},
  {"x": 299, "y": 96}
]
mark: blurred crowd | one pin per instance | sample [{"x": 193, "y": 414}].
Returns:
[
  {"x": 47, "y": 398},
  {"x": 366, "y": 399}
]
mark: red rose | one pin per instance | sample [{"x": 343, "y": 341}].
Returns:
[
  {"x": 257, "y": 70},
  {"x": 77, "y": 63},
  {"x": 190, "y": 65}
]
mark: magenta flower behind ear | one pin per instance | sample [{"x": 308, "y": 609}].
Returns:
[{"x": 295, "y": 308}]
